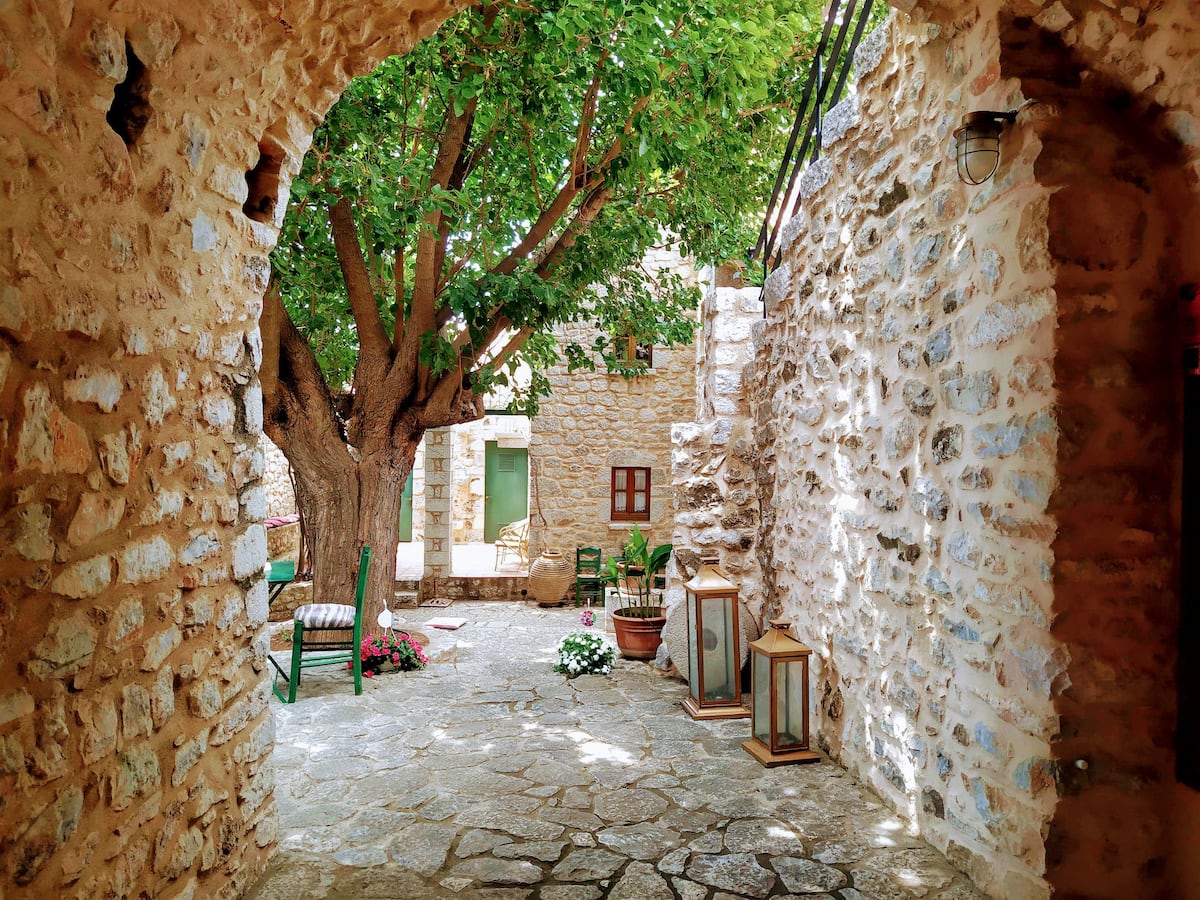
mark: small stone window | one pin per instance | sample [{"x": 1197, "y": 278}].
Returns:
[
  {"x": 262, "y": 182},
  {"x": 130, "y": 109},
  {"x": 630, "y": 496},
  {"x": 630, "y": 352}
]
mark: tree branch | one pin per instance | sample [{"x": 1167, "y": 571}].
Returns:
[
  {"x": 372, "y": 336},
  {"x": 584, "y": 216}
]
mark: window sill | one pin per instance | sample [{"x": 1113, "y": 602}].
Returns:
[{"x": 641, "y": 374}]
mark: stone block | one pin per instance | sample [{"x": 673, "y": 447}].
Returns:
[
  {"x": 1003, "y": 320},
  {"x": 146, "y": 560},
  {"x": 157, "y": 399},
  {"x": 47, "y": 439},
  {"x": 250, "y": 552},
  {"x": 974, "y": 393},
  {"x": 47, "y": 834},
  {"x": 919, "y": 398},
  {"x": 135, "y": 712},
  {"x": 99, "y": 386},
  {"x": 97, "y": 514},
  {"x": 67, "y": 647}
]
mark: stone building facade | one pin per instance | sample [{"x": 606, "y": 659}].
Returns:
[
  {"x": 975, "y": 524},
  {"x": 966, "y": 439},
  {"x": 593, "y": 422},
  {"x": 470, "y": 441}
]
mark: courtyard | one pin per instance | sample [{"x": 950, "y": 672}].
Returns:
[{"x": 488, "y": 775}]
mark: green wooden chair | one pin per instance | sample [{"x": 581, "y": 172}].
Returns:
[
  {"x": 324, "y": 627},
  {"x": 589, "y": 583}
]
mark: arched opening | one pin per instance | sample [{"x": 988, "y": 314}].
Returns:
[{"x": 1119, "y": 226}]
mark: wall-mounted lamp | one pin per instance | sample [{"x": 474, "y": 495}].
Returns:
[{"x": 978, "y": 144}]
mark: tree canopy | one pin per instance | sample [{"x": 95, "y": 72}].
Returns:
[
  {"x": 509, "y": 174},
  {"x": 506, "y": 177}
]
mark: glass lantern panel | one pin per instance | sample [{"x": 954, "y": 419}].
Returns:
[
  {"x": 720, "y": 666},
  {"x": 693, "y": 650},
  {"x": 789, "y": 703},
  {"x": 761, "y": 721}
]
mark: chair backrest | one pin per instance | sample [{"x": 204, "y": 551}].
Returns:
[
  {"x": 360, "y": 590},
  {"x": 587, "y": 559}
]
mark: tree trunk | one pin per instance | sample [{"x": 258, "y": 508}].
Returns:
[
  {"x": 381, "y": 481},
  {"x": 351, "y": 496},
  {"x": 350, "y": 506}
]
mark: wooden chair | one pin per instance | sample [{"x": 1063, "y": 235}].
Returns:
[
  {"x": 589, "y": 583},
  {"x": 513, "y": 540},
  {"x": 326, "y": 626}
]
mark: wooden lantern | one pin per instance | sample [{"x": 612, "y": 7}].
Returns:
[
  {"x": 714, "y": 647},
  {"x": 779, "y": 720}
]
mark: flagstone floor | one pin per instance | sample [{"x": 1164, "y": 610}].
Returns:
[{"x": 487, "y": 775}]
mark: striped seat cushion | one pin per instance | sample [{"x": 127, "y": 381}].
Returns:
[{"x": 326, "y": 615}]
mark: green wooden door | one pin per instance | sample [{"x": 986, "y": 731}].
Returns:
[
  {"x": 505, "y": 487},
  {"x": 406, "y": 510}
]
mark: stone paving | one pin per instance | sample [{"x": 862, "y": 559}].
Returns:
[{"x": 487, "y": 775}]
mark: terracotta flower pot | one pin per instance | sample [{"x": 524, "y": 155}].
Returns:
[{"x": 638, "y": 637}]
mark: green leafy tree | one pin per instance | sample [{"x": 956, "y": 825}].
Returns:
[{"x": 505, "y": 177}]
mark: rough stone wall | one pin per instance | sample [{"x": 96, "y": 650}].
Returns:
[
  {"x": 276, "y": 483},
  {"x": 964, "y": 409},
  {"x": 595, "y": 421},
  {"x": 134, "y": 728},
  {"x": 713, "y": 459}
]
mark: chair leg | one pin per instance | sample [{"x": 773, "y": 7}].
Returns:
[
  {"x": 297, "y": 648},
  {"x": 356, "y": 657}
]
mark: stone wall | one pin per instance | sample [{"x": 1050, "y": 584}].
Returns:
[
  {"x": 276, "y": 480},
  {"x": 968, "y": 435},
  {"x": 713, "y": 459},
  {"x": 145, "y": 151}
]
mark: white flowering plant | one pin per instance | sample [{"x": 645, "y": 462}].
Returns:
[{"x": 583, "y": 653}]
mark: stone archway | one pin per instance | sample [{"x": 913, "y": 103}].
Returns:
[
  {"x": 145, "y": 154},
  {"x": 1119, "y": 228}
]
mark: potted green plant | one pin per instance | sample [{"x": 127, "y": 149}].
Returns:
[{"x": 639, "y": 620}]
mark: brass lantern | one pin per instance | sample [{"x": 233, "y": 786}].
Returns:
[
  {"x": 779, "y": 720},
  {"x": 714, "y": 647}
]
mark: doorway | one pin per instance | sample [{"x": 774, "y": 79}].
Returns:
[{"x": 505, "y": 487}]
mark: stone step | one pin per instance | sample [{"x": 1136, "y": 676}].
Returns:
[{"x": 405, "y": 599}]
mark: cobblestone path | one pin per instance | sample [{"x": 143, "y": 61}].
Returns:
[{"x": 489, "y": 776}]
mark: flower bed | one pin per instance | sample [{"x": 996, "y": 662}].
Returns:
[
  {"x": 581, "y": 653},
  {"x": 396, "y": 650}
]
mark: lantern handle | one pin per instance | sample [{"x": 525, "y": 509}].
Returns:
[{"x": 781, "y": 623}]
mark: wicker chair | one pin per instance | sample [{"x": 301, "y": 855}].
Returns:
[{"x": 513, "y": 540}]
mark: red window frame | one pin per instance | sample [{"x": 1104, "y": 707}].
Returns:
[{"x": 624, "y": 491}]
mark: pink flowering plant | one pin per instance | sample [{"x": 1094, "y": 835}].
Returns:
[{"x": 397, "y": 650}]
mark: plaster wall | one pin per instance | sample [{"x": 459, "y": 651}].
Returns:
[
  {"x": 967, "y": 419},
  {"x": 134, "y": 729}
]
